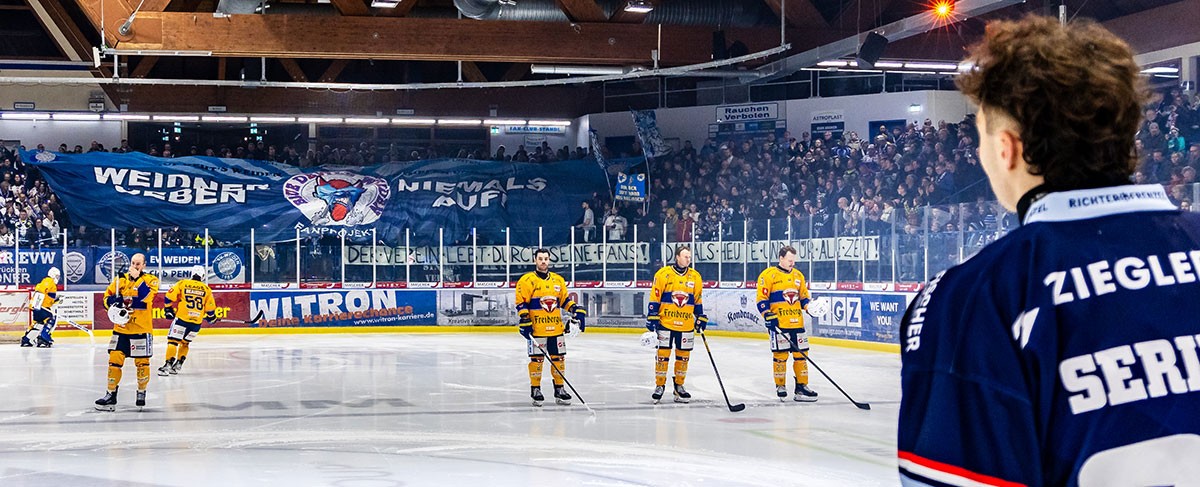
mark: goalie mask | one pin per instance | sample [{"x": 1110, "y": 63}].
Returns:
[{"x": 118, "y": 315}]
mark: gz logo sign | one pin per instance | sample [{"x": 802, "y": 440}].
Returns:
[{"x": 845, "y": 311}]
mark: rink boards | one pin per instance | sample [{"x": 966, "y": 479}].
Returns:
[{"x": 866, "y": 316}]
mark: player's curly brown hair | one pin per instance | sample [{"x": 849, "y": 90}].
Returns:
[{"x": 1074, "y": 91}]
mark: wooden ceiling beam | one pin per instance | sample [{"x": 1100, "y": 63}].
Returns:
[
  {"x": 293, "y": 69},
  {"x": 399, "y": 38},
  {"x": 516, "y": 72},
  {"x": 144, "y": 66},
  {"x": 582, "y": 10},
  {"x": 351, "y": 7},
  {"x": 333, "y": 71},
  {"x": 471, "y": 73}
]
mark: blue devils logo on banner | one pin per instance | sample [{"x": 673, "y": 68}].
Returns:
[
  {"x": 653, "y": 144},
  {"x": 338, "y": 198},
  {"x": 631, "y": 187}
]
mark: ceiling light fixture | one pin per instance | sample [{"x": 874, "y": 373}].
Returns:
[
  {"x": 76, "y": 117},
  {"x": 502, "y": 121},
  {"x": 551, "y": 123},
  {"x": 413, "y": 121},
  {"x": 587, "y": 70},
  {"x": 457, "y": 121},
  {"x": 273, "y": 119},
  {"x": 25, "y": 116},
  {"x": 639, "y": 6}
]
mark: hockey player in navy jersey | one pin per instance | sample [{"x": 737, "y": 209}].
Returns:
[{"x": 1066, "y": 352}]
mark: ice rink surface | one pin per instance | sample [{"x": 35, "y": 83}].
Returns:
[{"x": 379, "y": 410}]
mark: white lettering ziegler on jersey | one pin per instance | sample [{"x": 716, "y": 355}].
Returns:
[
  {"x": 1127, "y": 273},
  {"x": 1106, "y": 377}
]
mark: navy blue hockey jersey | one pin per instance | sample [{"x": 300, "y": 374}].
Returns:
[{"x": 1064, "y": 353}]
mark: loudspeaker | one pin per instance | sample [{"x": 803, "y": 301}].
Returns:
[
  {"x": 719, "y": 51},
  {"x": 871, "y": 50}
]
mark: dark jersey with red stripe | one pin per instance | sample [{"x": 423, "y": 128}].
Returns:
[{"x": 1065, "y": 353}]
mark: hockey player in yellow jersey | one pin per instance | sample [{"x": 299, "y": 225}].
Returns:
[
  {"x": 189, "y": 303},
  {"x": 782, "y": 298},
  {"x": 129, "y": 300},
  {"x": 541, "y": 299},
  {"x": 675, "y": 311},
  {"x": 45, "y": 296}
]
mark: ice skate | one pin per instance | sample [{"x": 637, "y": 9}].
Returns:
[
  {"x": 108, "y": 402},
  {"x": 561, "y": 397},
  {"x": 804, "y": 394},
  {"x": 165, "y": 370},
  {"x": 681, "y": 394},
  {"x": 658, "y": 393}
]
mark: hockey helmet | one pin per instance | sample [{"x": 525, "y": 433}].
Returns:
[
  {"x": 54, "y": 274},
  {"x": 118, "y": 315},
  {"x": 649, "y": 339},
  {"x": 198, "y": 272},
  {"x": 818, "y": 307}
]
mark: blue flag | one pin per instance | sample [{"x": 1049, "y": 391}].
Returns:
[
  {"x": 647, "y": 129},
  {"x": 230, "y": 196}
]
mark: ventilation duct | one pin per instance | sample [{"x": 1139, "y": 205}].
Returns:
[{"x": 724, "y": 13}]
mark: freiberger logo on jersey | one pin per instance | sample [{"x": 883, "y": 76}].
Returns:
[
  {"x": 338, "y": 198},
  {"x": 549, "y": 303},
  {"x": 791, "y": 296},
  {"x": 679, "y": 298}
]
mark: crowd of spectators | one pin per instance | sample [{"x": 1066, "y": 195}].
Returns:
[
  {"x": 918, "y": 182},
  {"x": 1168, "y": 144}
]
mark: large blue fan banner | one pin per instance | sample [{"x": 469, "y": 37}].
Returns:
[{"x": 230, "y": 196}]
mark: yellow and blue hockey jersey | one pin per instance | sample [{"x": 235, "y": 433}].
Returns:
[
  {"x": 676, "y": 300},
  {"x": 542, "y": 300},
  {"x": 192, "y": 300},
  {"x": 784, "y": 293}
]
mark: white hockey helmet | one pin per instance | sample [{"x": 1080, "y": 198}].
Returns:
[
  {"x": 819, "y": 307},
  {"x": 118, "y": 315},
  {"x": 649, "y": 339},
  {"x": 54, "y": 274},
  {"x": 198, "y": 272}
]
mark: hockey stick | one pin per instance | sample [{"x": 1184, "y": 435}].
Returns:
[
  {"x": 253, "y": 321},
  {"x": 861, "y": 405},
  {"x": 732, "y": 407},
  {"x": 564, "y": 378},
  {"x": 79, "y": 327}
]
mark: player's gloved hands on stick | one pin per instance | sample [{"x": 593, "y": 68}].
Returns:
[
  {"x": 169, "y": 313},
  {"x": 771, "y": 320},
  {"x": 702, "y": 323},
  {"x": 525, "y": 327},
  {"x": 112, "y": 300}
]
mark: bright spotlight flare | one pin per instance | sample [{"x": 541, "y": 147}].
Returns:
[{"x": 943, "y": 8}]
